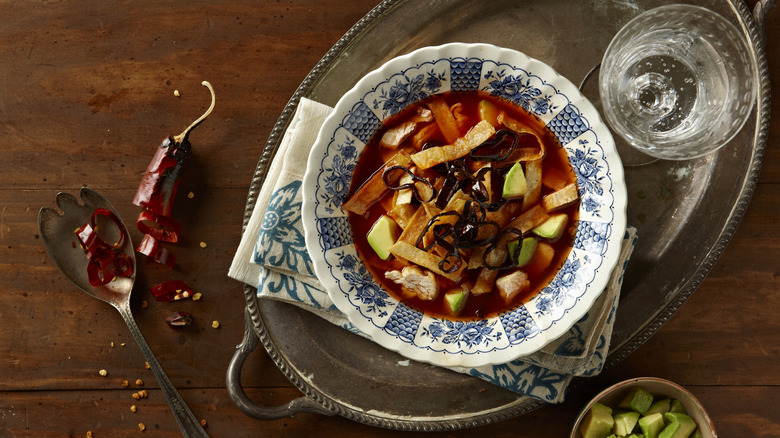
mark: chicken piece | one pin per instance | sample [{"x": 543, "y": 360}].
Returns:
[
  {"x": 511, "y": 284},
  {"x": 414, "y": 280},
  {"x": 423, "y": 115},
  {"x": 394, "y": 137}
]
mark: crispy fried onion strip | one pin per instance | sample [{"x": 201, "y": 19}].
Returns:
[
  {"x": 463, "y": 234},
  {"x": 458, "y": 177},
  {"x": 390, "y": 180}
]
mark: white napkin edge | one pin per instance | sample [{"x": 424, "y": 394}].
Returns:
[{"x": 242, "y": 268}]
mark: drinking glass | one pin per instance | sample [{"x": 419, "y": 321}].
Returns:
[{"x": 678, "y": 82}]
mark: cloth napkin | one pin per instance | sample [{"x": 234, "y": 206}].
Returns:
[{"x": 272, "y": 256}]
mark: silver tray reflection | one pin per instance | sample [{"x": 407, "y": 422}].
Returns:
[{"x": 685, "y": 213}]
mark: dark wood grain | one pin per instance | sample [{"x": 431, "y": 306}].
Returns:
[{"x": 87, "y": 94}]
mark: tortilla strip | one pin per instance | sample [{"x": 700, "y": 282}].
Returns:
[
  {"x": 530, "y": 219},
  {"x": 374, "y": 188},
  {"x": 485, "y": 281},
  {"x": 427, "y": 260},
  {"x": 415, "y": 227},
  {"x": 561, "y": 199},
  {"x": 533, "y": 178},
  {"x": 461, "y": 147},
  {"x": 423, "y": 135},
  {"x": 402, "y": 214},
  {"x": 445, "y": 119},
  {"x": 522, "y": 154}
]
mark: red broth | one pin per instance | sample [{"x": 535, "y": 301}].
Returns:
[{"x": 476, "y": 306}]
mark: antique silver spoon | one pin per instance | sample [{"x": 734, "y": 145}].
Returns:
[{"x": 57, "y": 234}]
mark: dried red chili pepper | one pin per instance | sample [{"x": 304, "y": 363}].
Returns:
[
  {"x": 179, "y": 319},
  {"x": 101, "y": 268},
  {"x": 106, "y": 261},
  {"x": 172, "y": 290},
  {"x": 161, "y": 180},
  {"x": 149, "y": 246},
  {"x": 162, "y": 228},
  {"x": 89, "y": 240},
  {"x": 108, "y": 214},
  {"x": 124, "y": 264}
]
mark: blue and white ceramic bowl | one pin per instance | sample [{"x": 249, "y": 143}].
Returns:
[{"x": 467, "y": 68}]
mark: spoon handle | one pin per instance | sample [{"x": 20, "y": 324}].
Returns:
[{"x": 189, "y": 425}]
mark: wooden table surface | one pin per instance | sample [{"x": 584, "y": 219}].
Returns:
[{"x": 87, "y": 94}]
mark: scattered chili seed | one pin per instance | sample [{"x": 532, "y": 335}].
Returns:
[
  {"x": 147, "y": 366},
  {"x": 143, "y": 393},
  {"x": 215, "y": 324},
  {"x": 197, "y": 296},
  {"x": 144, "y": 304},
  {"x": 190, "y": 195},
  {"x": 203, "y": 422},
  {"x": 139, "y": 382},
  {"x": 171, "y": 290},
  {"x": 103, "y": 373},
  {"x": 176, "y": 93},
  {"x": 203, "y": 244},
  {"x": 133, "y": 408},
  {"x": 141, "y": 426},
  {"x": 112, "y": 344},
  {"x": 122, "y": 344},
  {"x": 136, "y": 396},
  {"x": 125, "y": 383},
  {"x": 89, "y": 434}
]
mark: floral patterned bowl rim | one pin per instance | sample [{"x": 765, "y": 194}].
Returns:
[{"x": 466, "y": 68}]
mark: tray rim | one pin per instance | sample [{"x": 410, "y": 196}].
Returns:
[{"x": 617, "y": 353}]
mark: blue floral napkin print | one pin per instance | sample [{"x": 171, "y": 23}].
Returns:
[{"x": 272, "y": 255}]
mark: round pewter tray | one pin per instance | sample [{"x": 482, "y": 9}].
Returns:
[{"x": 669, "y": 203}]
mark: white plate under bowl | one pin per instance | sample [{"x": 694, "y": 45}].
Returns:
[{"x": 512, "y": 76}]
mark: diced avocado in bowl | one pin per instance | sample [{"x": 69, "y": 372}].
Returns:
[
  {"x": 524, "y": 249},
  {"x": 382, "y": 236},
  {"x": 644, "y": 408},
  {"x": 552, "y": 228}
]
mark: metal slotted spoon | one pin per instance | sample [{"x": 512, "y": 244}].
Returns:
[{"x": 57, "y": 235}]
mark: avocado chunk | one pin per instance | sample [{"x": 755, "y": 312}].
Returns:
[
  {"x": 625, "y": 422},
  {"x": 515, "y": 184},
  {"x": 488, "y": 111},
  {"x": 687, "y": 424},
  {"x": 382, "y": 236},
  {"x": 637, "y": 400},
  {"x": 598, "y": 422},
  {"x": 677, "y": 406},
  {"x": 527, "y": 250},
  {"x": 651, "y": 425},
  {"x": 456, "y": 299},
  {"x": 553, "y": 227},
  {"x": 636, "y": 435},
  {"x": 661, "y": 406},
  {"x": 669, "y": 430}
]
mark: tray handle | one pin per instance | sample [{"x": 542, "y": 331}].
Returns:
[
  {"x": 760, "y": 12},
  {"x": 244, "y": 403}
]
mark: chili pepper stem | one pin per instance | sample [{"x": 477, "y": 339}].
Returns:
[{"x": 183, "y": 136}]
